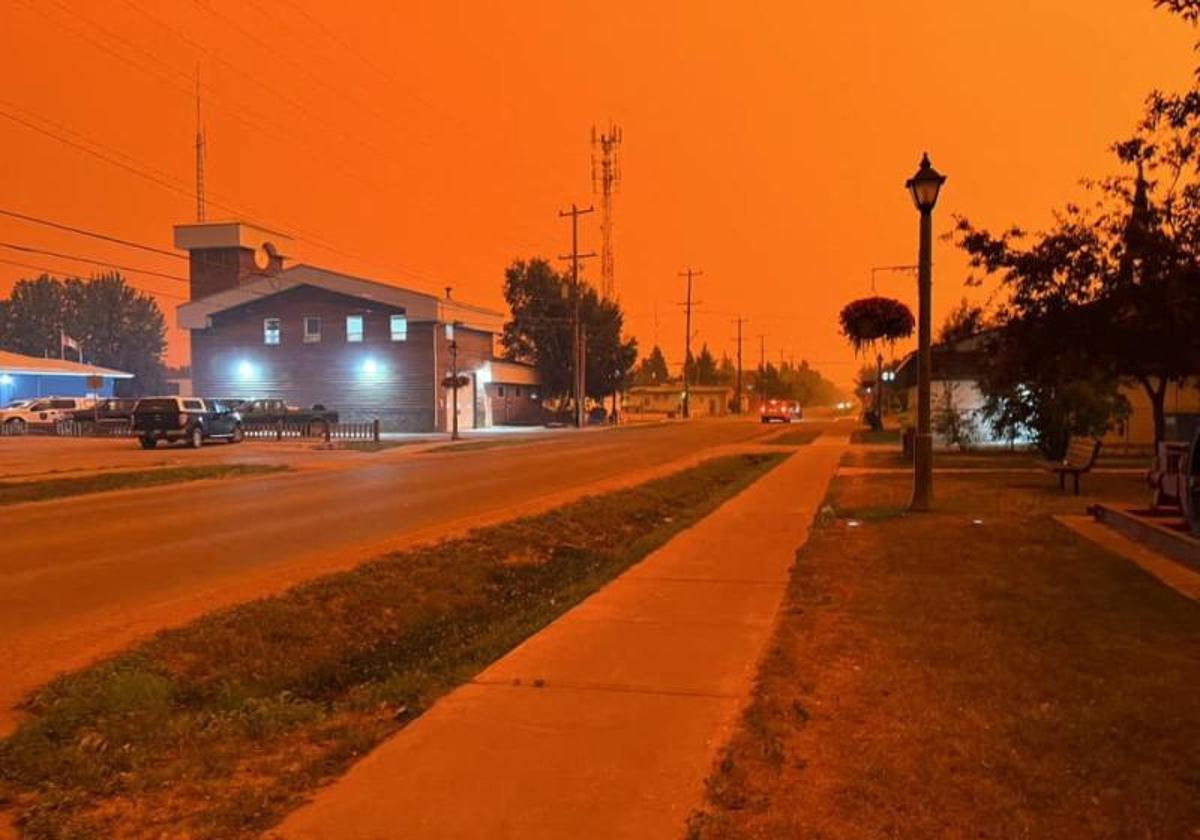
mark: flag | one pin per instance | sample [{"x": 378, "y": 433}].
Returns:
[{"x": 68, "y": 343}]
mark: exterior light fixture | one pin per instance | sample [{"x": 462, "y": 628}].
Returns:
[
  {"x": 6, "y": 379},
  {"x": 246, "y": 370},
  {"x": 925, "y": 185},
  {"x": 370, "y": 367}
]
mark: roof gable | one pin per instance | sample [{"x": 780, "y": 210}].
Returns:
[{"x": 419, "y": 306}]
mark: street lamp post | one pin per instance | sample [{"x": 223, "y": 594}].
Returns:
[
  {"x": 924, "y": 187},
  {"x": 453, "y": 380}
]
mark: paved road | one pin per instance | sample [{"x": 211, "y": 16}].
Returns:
[{"x": 82, "y": 577}]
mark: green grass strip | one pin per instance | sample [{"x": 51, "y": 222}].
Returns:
[
  {"x": 219, "y": 728},
  {"x": 799, "y": 437},
  {"x": 12, "y": 492}
]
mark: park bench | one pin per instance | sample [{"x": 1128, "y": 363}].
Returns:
[{"x": 1081, "y": 457}]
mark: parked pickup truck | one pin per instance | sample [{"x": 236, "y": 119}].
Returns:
[
  {"x": 184, "y": 418},
  {"x": 107, "y": 412},
  {"x": 43, "y": 412},
  {"x": 314, "y": 420}
]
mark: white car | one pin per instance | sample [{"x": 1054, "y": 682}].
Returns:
[{"x": 42, "y": 412}]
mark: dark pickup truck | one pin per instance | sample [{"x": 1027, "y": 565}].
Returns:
[
  {"x": 313, "y": 420},
  {"x": 184, "y": 418},
  {"x": 108, "y": 412}
]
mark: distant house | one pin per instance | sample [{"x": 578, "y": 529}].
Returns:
[
  {"x": 705, "y": 400},
  {"x": 956, "y": 372},
  {"x": 26, "y": 377},
  {"x": 312, "y": 336}
]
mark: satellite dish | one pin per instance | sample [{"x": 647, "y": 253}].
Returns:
[{"x": 263, "y": 255}]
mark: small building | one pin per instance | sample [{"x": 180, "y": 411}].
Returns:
[
  {"x": 26, "y": 377},
  {"x": 511, "y": 391},
  {"x": 705, "y": 400},
  {"x": 956, "y": 372},
  {"x": 311, "y": 336}
]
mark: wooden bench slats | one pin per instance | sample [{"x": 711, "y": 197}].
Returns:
[{"x": 1081, "y": 457}]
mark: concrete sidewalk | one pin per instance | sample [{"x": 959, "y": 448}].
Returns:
[{"x": 606, "y": 723}]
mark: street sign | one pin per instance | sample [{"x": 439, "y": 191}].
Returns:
[{"x": 95, "y": 383}]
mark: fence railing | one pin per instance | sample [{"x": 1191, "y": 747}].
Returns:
[
  {"x": 279, "y": 430},
  {"x": 284, "y": 430}
]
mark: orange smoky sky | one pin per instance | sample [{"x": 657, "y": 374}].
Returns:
[{"x": 430, "y": 144}]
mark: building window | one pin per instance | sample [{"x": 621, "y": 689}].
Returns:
[
  {"x": 518, "y": 390},
  {"x": 312, "y": 329},
  {"x": 500, "y": 391},
  {"x": 270, "y": 330},
  {"x": 354, "y": 328},
  {"x": 399, "y": 327}
]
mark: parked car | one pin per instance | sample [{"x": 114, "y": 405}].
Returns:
[
  {"x": 113, "y": 411},
  {"x": 266, "y": 411},
  {"x": 45, "y": 411},
  {"x": 785, "y": 411},
  {"x": 192, "y": 419}
]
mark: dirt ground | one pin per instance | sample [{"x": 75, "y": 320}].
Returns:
[{"x": 978, "y": 671}]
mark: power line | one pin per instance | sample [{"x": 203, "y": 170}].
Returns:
[
  {"x": 93, "y": 234},
  {"x": 56, "y": 271},
  {"x": 12, "y": 246}
]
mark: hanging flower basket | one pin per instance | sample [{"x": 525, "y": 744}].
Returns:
[{"x": 870, "y": 320}]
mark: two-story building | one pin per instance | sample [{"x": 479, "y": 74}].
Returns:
[{"x": 312, "y": 336}]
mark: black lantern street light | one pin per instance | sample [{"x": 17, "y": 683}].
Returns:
[{"x": 924, "y": 186}]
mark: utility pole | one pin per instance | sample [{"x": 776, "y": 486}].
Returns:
[
  {"x": 738, "y": 386},
  {"x": 578, "y": 368},
  {"x": 689, "y": 273},
  {"x": 200, "y": 148},
  {"x": 606, "y": 176}
]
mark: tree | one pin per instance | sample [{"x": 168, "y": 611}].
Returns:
[
  {"x": 965, "y": 320},
  {"x": 116, "y": 325},
  {"x": 726, "y": 371},
  {"x": 541, "y": 333},
  {"x": 1113, "y": 289},
  {"x": 34, "y": 317},
  {"x": 652, "y": 370},
  {"x": 705, "y": 372}
]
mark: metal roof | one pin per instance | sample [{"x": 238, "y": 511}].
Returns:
[{"x": 33, "y": 365}]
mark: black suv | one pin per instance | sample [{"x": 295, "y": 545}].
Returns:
[{"x": 184, "y": 418}]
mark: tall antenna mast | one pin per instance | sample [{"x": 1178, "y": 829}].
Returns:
[
  {"x": 200, "y": 143},
  {"x": 606, "y": 176}
]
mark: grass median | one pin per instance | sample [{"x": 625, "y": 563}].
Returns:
[
  {"x": 12, "y": 492},
  {"x": 219, "y": 728},
  {"x": 796, "y": 437},
  {"x": 975, "y": 670}
]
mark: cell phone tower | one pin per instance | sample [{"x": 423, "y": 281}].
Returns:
[
  {"x": 201, "y": 144},
  {"x": 606, "y": 177}
]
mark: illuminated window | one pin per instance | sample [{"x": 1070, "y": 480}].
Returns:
[
  {"x": 399, "y": 328},
  {"x": 270, "y": 330},
  {"x": 312, "y": 329},
  {"x": 354, "y": 328}
]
